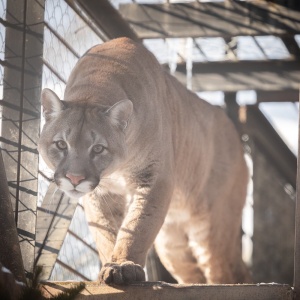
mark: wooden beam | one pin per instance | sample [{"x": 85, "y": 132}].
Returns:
[
  {"x": 272, "y": 259},
  {"x": 198, "y": 19},
  {"x": 288, "y": 95},
  {"x": 53, "y": 221},
  {"x": 292, "y": 46},
  {"x": 275, "y": 75},
  {"x": 297, "y": 228},
  {"x": 106, "y": 18},
  {"x": 161, "y": 290},
  {"x": 21, "y": 115},
  {"x": 10, "y": 251},
  {"x": 270, "y": 143}
]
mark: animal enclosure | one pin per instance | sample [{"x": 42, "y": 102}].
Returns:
[{"x": 40, "y": 42}]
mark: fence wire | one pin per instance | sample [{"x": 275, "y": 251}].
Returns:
[
  {"x": 2, "y": 43},
  {"x": 66, "y": 38}
]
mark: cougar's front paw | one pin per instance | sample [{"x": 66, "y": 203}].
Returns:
[{"x": 124, "y": 273}]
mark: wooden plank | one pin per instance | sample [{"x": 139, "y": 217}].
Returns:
[
  {"x": 277, "y": 96},
  {"x": 269, "y": 141},
  {"x": 272, "y": 259},
  {"x": 297, "y": 228},
  {"x": 161, "y": 290},
  {"x": 291, "y": 45},
  {"x": 21, "y": 115},
  {"x": 228, "y": 76},
  {"x": 12, "y": 87},
  {"x": 198, "y": 19},
  {"x": 107, "y": 18},
  {"x": 10, "y": 252},
  {"x": 53, "y": 221}
]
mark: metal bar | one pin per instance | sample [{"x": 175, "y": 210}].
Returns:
[
  {"x": 82, "y": 241},
  {"x": 61, "y": 40},
  {"x": 71, "y": 269},
  {"x": 54, "y": 72},
  {"x": 297, "y": 228},
  {"x": 10, "y": 252}
]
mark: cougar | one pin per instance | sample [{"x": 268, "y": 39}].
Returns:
[{"x": 152, "y": 162}]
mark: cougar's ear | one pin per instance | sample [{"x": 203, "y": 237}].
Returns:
[
  {"x": 51, "y": 104},
  {"x": 120, "y": 113}
]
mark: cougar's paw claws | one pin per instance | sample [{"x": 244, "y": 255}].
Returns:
[{"x": 124, "y": 273}]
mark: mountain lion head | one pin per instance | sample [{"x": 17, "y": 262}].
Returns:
[{"x": 80, "y": 143}]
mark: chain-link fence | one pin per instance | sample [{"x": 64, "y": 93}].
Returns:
[
  {"x": 66, "y": 38},
  {"x": 2, "y": 47}
]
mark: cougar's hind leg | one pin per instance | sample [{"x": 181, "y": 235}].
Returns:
[
  {"x": 173, "y": 250},
  {"x": 219, "y": 254}
]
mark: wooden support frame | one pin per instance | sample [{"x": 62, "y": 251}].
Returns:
[
  {"x": 288, "y": 95},
  {"x": 54, "y": 218},
  {"x": 297, "y": 225},
  {"x": 160, "y": 290},
  {"x": 105, "y": 17},
  {"x": 21, "y": 115},
  {"x": 243, "y": 75},
  {"x": 217, "y": 19},
  {"x": 10, "y": 251},
  {"x": 267, "y": 138}
]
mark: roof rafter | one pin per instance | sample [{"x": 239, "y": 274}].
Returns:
[{"x": 214, "y": 19}]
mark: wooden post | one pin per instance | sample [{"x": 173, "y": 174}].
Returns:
[
  {"x": 297, "y": 228},
  {"x": 10, "y": 252},
  {"x": 21, "y": 115}
]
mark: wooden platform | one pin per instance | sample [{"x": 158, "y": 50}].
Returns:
[{"x": 161, "y": 290}]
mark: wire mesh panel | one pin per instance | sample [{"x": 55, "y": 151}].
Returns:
[
  {"x": 20, "y": 91},
  {"x": 2, "y": 47},
  {"x": 66, "y": 38},
  {"x": 78, "y": 259},
  {"x": 2, "y": 43}
]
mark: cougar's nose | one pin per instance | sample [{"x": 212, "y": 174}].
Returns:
[{"x": 75, "y": 179}]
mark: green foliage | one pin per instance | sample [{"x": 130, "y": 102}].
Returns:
[
  {"x": 71, "y": 293},
  {"x": 33, "y": 292}
]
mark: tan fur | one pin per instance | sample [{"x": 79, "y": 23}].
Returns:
[{"x": 173, "y": 170}]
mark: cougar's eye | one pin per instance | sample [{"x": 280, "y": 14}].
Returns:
[
  {"x": 61, "y": 145},
  {"x": 98, "y": 149}
]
